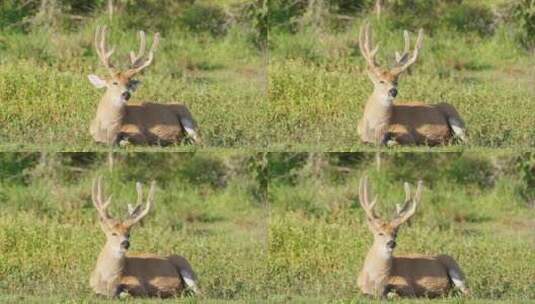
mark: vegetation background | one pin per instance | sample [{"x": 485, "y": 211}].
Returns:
[
  {"x": 476, "y": 55},
  {"x": 209, "y": 208},
  {"x": 479, "y": 208},
  {"x": 211, "y": 57},
  {"x": 216, "y": 55}
]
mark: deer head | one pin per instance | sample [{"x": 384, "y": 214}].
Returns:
[
  {"x": 385, "y": 81},
  {"x": 385, "y": 232},
  {"x": 120, "y": 85},
  {"x": 118, "y": 232}
]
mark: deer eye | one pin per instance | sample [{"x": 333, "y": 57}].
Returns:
[
  {"x": 115, "y": 83},
  {"x": 381, "y": 82},
  {"x": 381, "y": 234},
  {"x": 114, "y": 234}
]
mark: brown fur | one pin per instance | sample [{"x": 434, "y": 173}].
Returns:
[
  {"x": 409, "y": 275},
  {"x": 409, "y": 123},
  {"x": 144, "y": 123},
  {"x": 140, "y": 275}
]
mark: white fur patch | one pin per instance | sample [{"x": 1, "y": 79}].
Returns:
[
  {"x": 457, "y": 128},
  {"x": 387, "y": 100},
  {"x": 456, "y": 278},
  {"x": 189, "y": 280}
]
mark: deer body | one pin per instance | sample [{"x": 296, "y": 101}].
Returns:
[
  {"x": 409, "y": 123},
  {"x": 144, "y": 123},
  {"x": 139, "y": 275},
  {"x": 410, "y": 275}
]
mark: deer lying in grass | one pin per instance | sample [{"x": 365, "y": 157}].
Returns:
[
  {"x": 145, "y": 123},
  {"x": 118, "y": 272},
  {"x": 409, "y": 123},
  {"x": 410, "y": 275}
]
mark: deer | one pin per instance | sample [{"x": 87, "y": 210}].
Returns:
[
  {"x": 117, "y": 122},
  {"x": 119, "y": 273},
  {"x": 407, "y": 123},
  {"x": 385, "y": 275}
]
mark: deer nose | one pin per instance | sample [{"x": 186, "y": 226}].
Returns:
[
  {"x": 126, "y": 95},
  {"x": 391, "y": 244},
  {"x": 393, "y": 92},
  {"x": 125, "y": 244}
]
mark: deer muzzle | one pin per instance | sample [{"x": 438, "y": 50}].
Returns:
[
  {"x": 125, "y": 244},
  {"x": 126, "y": 95}
]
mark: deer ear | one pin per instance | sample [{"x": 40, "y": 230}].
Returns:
[{"x": 96, "y": 81}]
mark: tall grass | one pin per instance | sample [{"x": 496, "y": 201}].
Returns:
[
  {"x": 206, "y": 209},
  {"x": 318, "y": 237},
  {"x": 48, "y": 101}
]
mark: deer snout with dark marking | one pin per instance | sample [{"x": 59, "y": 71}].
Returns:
[
  {"x": 393, "y": 92},
  {"x": 391, "y": 244},
  {"x": 125, "y": 244},
  {"x": 126, "y": 95}
]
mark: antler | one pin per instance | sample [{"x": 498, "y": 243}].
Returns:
[
  {"x": 102, "y": 51},
  {"x": 409, "y": 207},
  {"x": 402, "y": 60},
  {"x": 365, "y": 44},
  {"x": 136, "y": 214},
  {"x": 137, "y": 64},
  {"x": 97, "y": 196},
  {"x": 364, "y": 199}
]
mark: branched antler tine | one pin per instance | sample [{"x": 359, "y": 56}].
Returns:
[
  {"x": 133, "y": 211},
  {"x": 139, "y": 67},
  {"x": 409, "y": 208},
  {"x": 98, "y": 197},
  {"x": 150, "y": 199},
  {"x": 364, "y": 199},
  {"x": 100, "y": 47},
  {"x": 134, "y": 59},
  {"x": 407, "y": 39},
  {"x": 400, "y": 57},
  {"x": 404, "y": 65},
  {"x": 365, "y": 42}
]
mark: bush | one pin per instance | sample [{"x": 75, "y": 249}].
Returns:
[
  {"x": 523, "y": 14},
  {"x": 203, "y": 18}
]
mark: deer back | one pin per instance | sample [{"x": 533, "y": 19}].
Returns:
[
  {"x": 151, "y": 275},
  {"x": 152, "y": 123},
  {"x": 419, "y": 123},
  {"x": 419, "y": 276}
]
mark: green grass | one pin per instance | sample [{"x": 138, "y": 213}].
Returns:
[
  {"x": 318, "y": 236},
  {"x": 318, "y": 85},
  {"x": 208, "y": 209},
  {"x": 48, "y": 102},
  {"x": 309, "y": 246},
  {"x": 305, "y": 93}
]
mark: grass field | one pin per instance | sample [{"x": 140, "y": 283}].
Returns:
[
  {"x": 472, "y": 209},
  {"x": 306, "y": 92},
  {"x": 305, "y": 245},
  {"x": 48, "y": 102},
  {"x": 210, "y": 209},
  {"x": 318, "y": 81}
]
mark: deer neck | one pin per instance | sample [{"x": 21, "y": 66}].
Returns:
[
  {"x": 379, "y": 106},
  {"x": 110, "y": 263},
  {"x": 108, "y": 121},
  {"x": 376, "y": 118},
  {"x": 378, "y": 262},
  {"x": 111, "y": 110}
]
